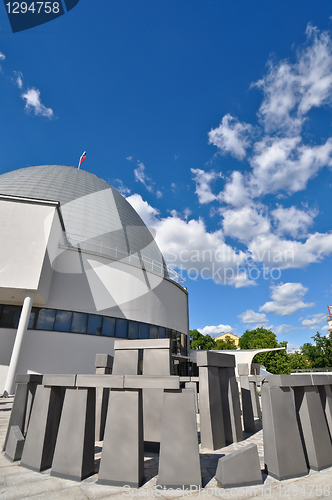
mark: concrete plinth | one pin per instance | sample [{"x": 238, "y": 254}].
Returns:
[
  {"x": 193, "y": 386},
  {"x": 247, "y": 410},
  {"x": 122, "y": 459},
  {"x": 101, "y": 397},
  {"x": 156, "y": 362},
  {"x": 283, "y": 450},
  {"x": 211, "y": 411},
  {"x": 15, "y": 444},
  {"x": 125, "y": 362},
  {"x": 74, "y": 450},
  {"x": 240, "y": 468},
  {"x": 230, "y": 405},
  {"x": 179, "y": 465},
  {"x": 152, "y": 415},
  {"x": 43, "y": 428},
  {"x": 313, "y": 428}
]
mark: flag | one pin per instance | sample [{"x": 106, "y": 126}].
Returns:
[{"x": 82, "y": 158}]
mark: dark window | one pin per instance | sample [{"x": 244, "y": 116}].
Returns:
[
  {"x": 144, "y": 331},
  {"x": 10, "y": 316},
  {"x": 108, "y": 328},
  {"x": 133, "y": 330},
  {"x": 174, "y": 343},
  {"x": 168, "y": 333},
  {"x": 121, "y": 328},
  {"x": 63, "y": 321},
  {"x": 183, "y": 344},
  {"x": 78, "y": 324},
  {"x": 45, "y": 319},
  {"x": 94, "y": 324},
  {"x": 162, "y": 332},
  {"x": 32, "y": 319},
  {"x": 153, "y": 332}
]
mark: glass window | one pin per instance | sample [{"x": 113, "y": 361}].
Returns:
[
  {"x": 94, "y": 324},
  {"x": 121, "y": 328},
  {"x": 174, "y": 343},
  {"x": 10, "y": 316},
  {"x": 162, "y": 332},
  {"x": 63, "y": 321},
  {"x": 144, "y": 331},
  {"x": 153, "y": 332},
  {"x": 183, "y": 344},
  {"x": 108, "y": 328},
  {"x": 78, "y": 324},
  {"x": 133, "y": 330},
  {"x": 32, "y": 319},
  {"x": 168, "y": 333},
  {"x": 45, "y": 319}
]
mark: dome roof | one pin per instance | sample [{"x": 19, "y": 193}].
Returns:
[{"x": 96, "y": 216}]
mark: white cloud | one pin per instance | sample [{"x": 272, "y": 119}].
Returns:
[
  {"x": 159, "y": 194},
  {"x": 283, "y": 329},
  {"x": 244, "y": 223},
  {"x": 19, "y": 79},
  {"x": 33, "y": 102},
  {"x": 293, "y": 221},
  {"x": 286, "y": 299},
  {"x": 231, "y": 136},
  {"x": 188, "y": 246},
  {"x": 249, "y": 317},
  {"x": 235, "y": 192},
  {"x": 129, "y": 158},
  {"x": 140, "y": 176},
  {"x": 215, "y": 331},
  {"x": 313, "y": 321},
  {"x": 203, "y": 182},
  {"x": 122, "y": 188},
  {"x": 325, "y": 328},
  {"x": 2, "y": 56}
]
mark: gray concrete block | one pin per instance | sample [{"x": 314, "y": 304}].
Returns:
[
  {"x": 59, "y": 380},
  {"x": 102, "y": 396},
  {"x": 240, "y": 468},
  {"x": 255, "y": 368},
  {"x": 74, "y": 450},
  {"x": 122, "y": 459},
  {"x": 213, "y": 358},
  {"x": 43, "y": 428},
  {"x": 299, "y": 380},
  {"x": 247, "y": 409},
  {"x": 107, "y": 381},
  {"x": 243, "y": 369},
  {"x": 152, "y": 415},
  {"x": 142, "y": 344},
  {"x": 157, "y": 362},
  {"x": 313, "y": 428},
  {"x": 179, "y": 465},
  {"x": 15, "y": 444},
  {"x": 283, "y": 451},
  {"x": 151, "y": 382},
  {"x": 193, "y": 386},
  {"x": 256, "y": 407},
  {"x": 320, "y": 379},
  {"x": 325, "y": 393},
  {"x": 125, "y": 362},
  {"x": 104, "y": 361},
  {"x": 185, "y": 379},
  {"x": 230, "y": 405},
  {"x": 27, "y": 378},
  {"x": 211, "y": 412}
]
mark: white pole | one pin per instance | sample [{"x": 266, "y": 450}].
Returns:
[{"x": 22, "y": 327}]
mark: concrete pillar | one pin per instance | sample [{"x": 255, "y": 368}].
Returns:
[
  {"x": 211, "y": 411},
  {"x": 247, "y": 410},
  {"x": 22, "y": 327},
  {"x": 103, "y": 364},
  {"x": 230, "y": 405},
  {"x": 256, "y": 407}
]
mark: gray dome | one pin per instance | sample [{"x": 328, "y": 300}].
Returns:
[{"x": 96, "y": 216}]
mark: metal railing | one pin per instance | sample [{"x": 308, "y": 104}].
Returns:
[{"x": 142, "y": 261}]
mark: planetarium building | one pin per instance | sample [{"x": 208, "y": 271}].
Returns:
[{"x": 78, "y": 269}]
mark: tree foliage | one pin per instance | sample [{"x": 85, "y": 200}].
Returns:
[
  {"x": 320, "y": 354},
  {"x": 227, "y": 343},
  {"x": 200, "y": 341}
]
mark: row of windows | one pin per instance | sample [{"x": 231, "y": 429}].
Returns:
[{"x": 91, "y": 324}]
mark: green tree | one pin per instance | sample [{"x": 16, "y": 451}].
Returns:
[
  {"x": 320, "y": 354},
  {"x": 200, "y": 341},
  {"x": 227, "y": 343}
]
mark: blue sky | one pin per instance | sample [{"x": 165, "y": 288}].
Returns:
[{"x": 214, "y": 119}]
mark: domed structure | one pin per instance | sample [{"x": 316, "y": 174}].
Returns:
[{"x": 86, "y": 270}]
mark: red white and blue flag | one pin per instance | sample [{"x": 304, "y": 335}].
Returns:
[{"x": 82, "y": 158}]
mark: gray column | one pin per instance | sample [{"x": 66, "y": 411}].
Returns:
[
  {"x": 179, "y": 465},
  {"x": 313, "y": 427},
  {"x": 247, "y": 410},
  {"x": 193, "y": 386},
  {"x": 283, "y": 450},
  {"x": 255, "y": 399},
  {"x": 74, "y": 450},
  {"x": 42, "y": 431},
  {"x": 211, "y": 412},
  {"x": 230, "y": 405},
  {"x": 103, "y": 364},
  {"x": 122, "y": 459},
  {"x": 325, "y": 393},
  {"x": 21, "y": 329}
]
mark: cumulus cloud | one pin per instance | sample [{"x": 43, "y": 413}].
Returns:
[
  {"x": 231, "y": 136},
  {"x": 2, "y": 56},
  {"x": 244, "y": 223},
  {"x": 215, "y": 331},
  {"x": 203, "y": 182},
  {"x": 235, "y": 192},
  {"x": 148, "y": 214},
  {"x": 293, "y": 221},
  {"x": 122, "y": 188},
  {"x": 250, "y": 317},
  {"x": 140, "y": 176},
  {"x": 33, "y": 103},
  {"x": 287, "y": 299},
  {"x": 313, "y": 321},
  {"x": 283, "y": 329},
  {"x": 18, "y": 79}
]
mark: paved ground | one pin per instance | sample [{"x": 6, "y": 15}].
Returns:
[{"x": 19, "y": 483}]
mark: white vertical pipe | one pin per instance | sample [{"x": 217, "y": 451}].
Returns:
[{"x": 22, "y": 327}]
